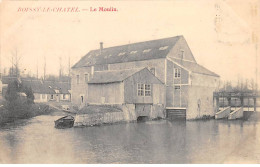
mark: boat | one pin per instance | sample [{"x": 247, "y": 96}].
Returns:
[{"x": 65, "y": 122}]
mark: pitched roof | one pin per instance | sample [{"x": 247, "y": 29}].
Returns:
[
  {"x": 194, "y": 67},
  {"x": 113, "y": 75},
  {"x": 46, "y": 87},
  {"x": 126, "y": 53}
]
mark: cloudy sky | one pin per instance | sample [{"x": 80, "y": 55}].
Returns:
[{"x": 220, "y": 33}]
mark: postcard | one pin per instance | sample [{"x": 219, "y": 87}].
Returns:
[{"x": 129, "y": 82}]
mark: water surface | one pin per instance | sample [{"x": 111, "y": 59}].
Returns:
[{"x": 215, "y": 141}]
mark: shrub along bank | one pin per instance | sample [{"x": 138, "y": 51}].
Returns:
[{"x": 19, "y": 104}]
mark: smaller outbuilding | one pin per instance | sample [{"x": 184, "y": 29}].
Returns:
[{"x": 137, "y": 91}]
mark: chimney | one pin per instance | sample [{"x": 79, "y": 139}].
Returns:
[{"x": 101, "y": 47}]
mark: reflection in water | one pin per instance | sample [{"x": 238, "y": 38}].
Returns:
[{"x": 37, "y": 141}]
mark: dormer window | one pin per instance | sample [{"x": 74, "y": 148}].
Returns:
[
  {"x": 163, "y": 48},
  {"x": 133, "y": 52},
  {"x": 121, "y": 54},
  {"x": 146, "y": 50}
]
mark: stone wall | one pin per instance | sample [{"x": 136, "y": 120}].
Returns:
[
  {"x": 200, "y": 102},
  {"x": 128, "y": 114},
  {"x": 157, "y": 111},
  {"x": 98, "y": 119}
]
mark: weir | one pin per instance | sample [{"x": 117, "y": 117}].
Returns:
[
  {"x": 234, "y": 104},
  {"x": 235, "y": 100},
  {"x": 224, "y": 113},
  {"x": 238, "y": 113}
]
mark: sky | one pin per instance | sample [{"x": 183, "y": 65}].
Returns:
[{"x": 220, "y": 33}]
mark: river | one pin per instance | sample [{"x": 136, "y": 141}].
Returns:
[{"x": 213, "y": 141}]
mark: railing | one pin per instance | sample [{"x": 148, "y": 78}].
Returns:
[{"x": 236, "y": 99}]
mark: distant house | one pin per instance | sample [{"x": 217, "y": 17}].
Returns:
[
  {"x": 45, "y": 91},
  {"x": 189, "y": 86}
]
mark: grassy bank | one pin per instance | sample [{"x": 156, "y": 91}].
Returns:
[{"x": 24, "y": 112}]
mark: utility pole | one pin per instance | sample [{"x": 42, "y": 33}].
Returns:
[
  {"x": 44, "y": 69},
  {"x": 69, "y": 67},
  {"x": 37, "y": 70},
  {"x": 60, "y": 69},
  {"x": 256, "y": 70},
  {"x": 12, "y": 69}
]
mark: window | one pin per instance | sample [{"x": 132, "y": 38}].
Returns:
[
  {"x": 82, "y": 99},
  {"x": 64, "y": 96},
  {"x": 133, "y": 52},
  {"x": 177, "y": 72},
  {"x": 77, "y": 79},
  {"x": 140, "y": 89},
  {"x": 177, "y": 87},
  {"x": 121, "y": 54},
  {"x": 163, "y": 48},
  {"x": 146, "y": 50},
  {"x": 51, "y": 97},
  {"x": 147, "y": 90},
  {"x": 86, "y": 78},
  {"x": 144, "y": 89}
]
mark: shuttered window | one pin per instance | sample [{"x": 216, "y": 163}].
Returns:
[{"x": 177, "y": 72}]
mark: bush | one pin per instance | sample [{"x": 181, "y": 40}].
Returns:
[{"x": 20, "y": 107}]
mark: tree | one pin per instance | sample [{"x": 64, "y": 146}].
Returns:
[
  {"x": 12, "y": 90},
  {"x": 29, "y": 95},
  {"x": 17, "y": 104}
]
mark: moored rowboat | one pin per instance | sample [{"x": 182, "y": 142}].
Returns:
[{"x": 65, "y": 122}]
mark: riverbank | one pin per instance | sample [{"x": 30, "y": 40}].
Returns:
[{"x": 33, "y": 110}]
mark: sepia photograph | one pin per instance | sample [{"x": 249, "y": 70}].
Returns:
[{"x": 129, "y": 82}]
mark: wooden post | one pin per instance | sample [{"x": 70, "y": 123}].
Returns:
[
  {"x": 235, "y": 103},
  {"x": 223, "y": 99},
  {"x": 254, "y": 104},
  {"x": 242, "y": 100},
  {"x": 248, "y": 103},
  {"x": 229, "y": 99},
  {"x": 216, "y": 102}
]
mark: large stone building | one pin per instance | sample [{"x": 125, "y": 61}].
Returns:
[{"x": 189, "y": 87}]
